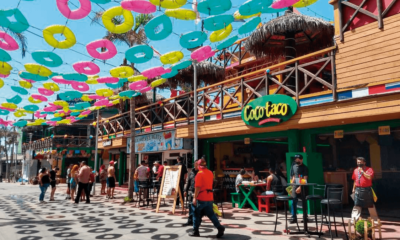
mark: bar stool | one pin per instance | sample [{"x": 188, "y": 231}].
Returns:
[
  {"x": 279, "y": 193},
  {"x": 315, "y": 197},
  {"x": 221, "y": 184},
  {"x": 334, "y": 199}
]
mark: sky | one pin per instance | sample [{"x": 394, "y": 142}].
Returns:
[{"x": 43, "y": 13}]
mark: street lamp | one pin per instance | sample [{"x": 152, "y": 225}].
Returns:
[{"x": 30, "y": 155}]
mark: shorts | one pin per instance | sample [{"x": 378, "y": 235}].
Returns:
[
  {"x": 73, "y": 185},
  {"x": 111, "y": 182},
  {"x": 53, "y": 184}
]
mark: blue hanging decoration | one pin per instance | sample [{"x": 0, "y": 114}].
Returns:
[
  {"x": 154, "y": 24},
  {"x": 139, "y": 54},
  {"x": 4, "y": 56},
  {"x": 75, "y": 77},
  {"x": 100, "y": 1},
  {"x": 253, "y": 7},
  {"x": 19, "y": 90},
  {"x": 70, "y": 95},
  {"x": 80, "y": 106},
  {"x": 31, "y": 76},
  {"x": 4, "y": 112},
  {"x": 181, "y": 65},
  {"x": 20, "y": 24},
  {"x": 215, "y": 23},
  {"x": 16, "y": 99},
  {"x": 56, "y": 119},
  {"x": 42, "y": 57},
  {"x": 192, "y": 39},
  {"x": 31, "y": 108},
  {"x": 75, "y": 114},
  {"x": 129, "y": 94},
  {"x": 249, "y": 25},
  {"x": 213, "y": 7},
  {"x": 21, "y": 123},
  {"x": 115, "y": 85},
  {"x": 170, "y": 74},
  {"x": 228, "y": 42}
]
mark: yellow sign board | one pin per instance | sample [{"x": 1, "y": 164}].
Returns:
[
  {"x": 338, "y": 134},
  {"x": 384, "y": 130}
]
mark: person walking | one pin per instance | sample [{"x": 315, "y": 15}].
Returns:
[
  {"x": 298, "y": 169},
  {"x": 183, "y": 177},
  {"x": 67, "y": 180},
  {"x": 44, "y": 183},
  {"x": 53, "y": 182},
  {"x": 73, "y": 181},
  {"x": 203, "y": 200},
  {"x": 362, "y": 190},
  {"x": 83, "y": 176},
  {"x": 92, "y": 177},
  {"x": 189, "y": 191},
  {"x": 103, "y": 179},
  {"x": 111, "y": 180}
]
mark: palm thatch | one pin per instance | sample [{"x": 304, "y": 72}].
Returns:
[
  {"x": 207, "y": 73},
  {"x": 311, "y": 34}
]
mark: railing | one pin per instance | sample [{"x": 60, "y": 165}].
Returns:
[
  {"x": 312, "y": 74},
  {"x": 348, "y": 8},
  {"x": 59, "y": 141}
]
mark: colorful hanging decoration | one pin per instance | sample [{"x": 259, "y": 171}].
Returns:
[
  {"x": 170, "y": 74},
  {"x": 51, "y": 86},
  {"x": 221, "y": 34},
  {"x": 113, "y": 12},
  {"x": 102, "y": 43},
  {"x": 227, "y": 43},
  {"x": 81, "y": 106},
  {"x": 25, "y": 84},
  {"x": 202, "y": 53},
  {"x": 182, "y": 14},
  {"x": 69, "y": 95},
  {"x": 119, "y": 84},
  {"x": 156, "y": 23},
  {"x": 304, "y": 3},
  {"x": 39, "y": 115},
  {"x": 212, "y": 7},
  {"x": 16, "y": 99},
  {"x": 181, "y": 65},
  {"x": 107, "y": 80},
  {"x": 81, "y": 12},
  {"x": 34, "y": 101},
  {"x": 155, "y": 72},
  {"x": 253, "y": 7},
  {"x": 21, "y": 123},
  {"x": 30, "y": 76},
  {"x": 4, "y": 56},
  {"x": 37, "y": 69},
  {"x": 31, "y": 108},
  {"x": 136, "y": 86},
  {"x": 19, "y": 25},
  {"x": 215, "y": 23},
  {"x": 171, "y": 57},
  {"x": 102, "y": 92},
  {"x": 19, "y": 90},
  {"x": 136, "y": 78},
  {"x": 283, "y": 3},
  {"x": 169, "y": 4},
  {"x": 139, "y": 6},
  {"x": 192, "y": 39},
  {"x": 7, "y": 42},
  {"x": 39, "y": 97},
  {"x": 129, "y": 94},
  {"x": 122, "y": 72},
  {"x": 1, "y": 83},
  {"x": 45, "y": 91},
  {"x": 4, "y": 111},
  {"x": 139, "y": 54},
  {"x": 46, "y": 58},
  {"x": 75, "y": 77},
  {"x": 48, "y": 35},
  {"x": 89, "y": 68},
  {"x": 158, "y": 82},
  {"x": 80, "y": 86},
  {"x": 238, "y": 16},
  {"x": 249, "y": 25},
  {"x": 145, "y": 89},
  {"x": 60, "y": 80},
  {"x": 5, "y": 68},
  {"x": 92, "y": 79}
]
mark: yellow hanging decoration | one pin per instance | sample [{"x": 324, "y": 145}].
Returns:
[
  {"x": 32, "y": 100},
  {"x": 137, "y": 78},
  {"x": 122, "y": 72},
  {"x": 38, "y": 69},
  {"x": 5, "y": 68},
  {"x": 221, "y": 34},
  {"x": 25, "y": 84}
]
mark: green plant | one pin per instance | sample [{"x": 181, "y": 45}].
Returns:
[
  {"x": 127, "y": 199},
  {"x": 360, "y": 226}
]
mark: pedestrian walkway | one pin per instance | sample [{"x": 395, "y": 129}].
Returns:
[{"x": 22, "y": 217}]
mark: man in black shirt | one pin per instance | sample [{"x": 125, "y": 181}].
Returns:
[
  {"x": 298, "y": 169},
  {"x": 53, "y": 182},
  {"x": 182, "y": 178}
]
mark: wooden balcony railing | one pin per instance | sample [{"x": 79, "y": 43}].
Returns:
[
  {"x": 309, "y": 76},
  {"x": 59, "y": 141}
]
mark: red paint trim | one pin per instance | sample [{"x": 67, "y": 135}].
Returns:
[{"x": 268, "y": 120}]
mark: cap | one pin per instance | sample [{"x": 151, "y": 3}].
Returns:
[
  {"x": 112, "y": 163},
  {"x": 202, "y": 163},
  {"x": 298, "y": 156}
]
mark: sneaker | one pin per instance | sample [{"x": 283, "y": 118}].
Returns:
[
  {"x": 194, "y": 233},
  {"x": 293, "y": 220},
  {"x": 188, "y": 223},
  {"x": 41, "y": 202},
  {"x": 221, "y": 231}
]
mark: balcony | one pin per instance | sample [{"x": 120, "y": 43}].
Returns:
[
  {"x": 57, "y": 141},
  {"x": 314, "y": 83}
]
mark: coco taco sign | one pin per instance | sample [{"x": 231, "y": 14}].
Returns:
[{"x": 269, "y": 110}]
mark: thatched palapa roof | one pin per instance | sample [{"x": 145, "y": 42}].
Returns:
[{"x": 311, "y": 33}]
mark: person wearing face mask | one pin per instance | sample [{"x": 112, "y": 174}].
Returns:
[
  {"x": 362, "y": 190},
  {"x": 298, "y": 169}
]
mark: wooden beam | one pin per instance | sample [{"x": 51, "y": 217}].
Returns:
[{"x": 388, "y": 8}]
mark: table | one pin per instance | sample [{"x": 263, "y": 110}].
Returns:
[
  {"x": 305, "y": 210},
  {"x": 248, "y": 193}
]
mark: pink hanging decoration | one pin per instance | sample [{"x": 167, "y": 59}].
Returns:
[
  {"x": 39, "y": 97},
  {"x": 8, "y": 109},
  {"x": 202, "y": 53},
  {"x": 155, "y": 72},
  {"x": 88, "y": 68},
  {"x": 138, "y": 85},
  {"x": 6, "y": 123},
  {"x": 146, "y": 89},
  {"x": 80, "y": 86},
  {"x": 278, "y": 4},
  {"x": 96, "y": 97},
  {"x": 28, "y": 80},
  {"x": 56, "y": 106},
  {"x": 52, "y": 123},
  {"x": 64, "y": 112},
  {"x": 4, "y": 76},
  {"x": 50, "y": 109},
  {"x": 38, "y": 115},
  {"x": 107, "y": 80},
  {"x": 45, "y": 91},
  {"x": 60, "y": 80},
  {"x": 79, "y": 13},
  {"x": 139, "y": 6},
  {"x": 101, "y": 103},
  {"x": 7, "y": 42},
  {"x": 85, "y": 113},
  {"x": 102, "y": 43}
]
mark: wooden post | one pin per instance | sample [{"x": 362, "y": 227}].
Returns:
[
  {"x": 365, "y": 230},
  {"x": 333, "y": 72},
  {"x": 296, "y": 71},
  {"x": 132, "y": 158},
  {"x": 340, "y": 9},
  {"x": 221, "y": 102},
  {"x": 380, "y": 20}
]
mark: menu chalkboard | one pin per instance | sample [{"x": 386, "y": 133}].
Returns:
[{"x": 170, "y": 186}]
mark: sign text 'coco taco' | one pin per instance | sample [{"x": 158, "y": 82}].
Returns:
[{"x": 269, "y": 110}]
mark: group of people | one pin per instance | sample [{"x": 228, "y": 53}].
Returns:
[
  {"x": 47, "y": 179},
  {"x": 82, "y": 177}
]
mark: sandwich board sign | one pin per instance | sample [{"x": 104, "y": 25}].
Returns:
[{"x": 170, "y": 186}]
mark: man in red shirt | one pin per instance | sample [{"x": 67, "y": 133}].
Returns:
[
  {"x": 362, "y": 190},
  {"x": 203, "y": 200},
  {"x": 160, "y": 170}
]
